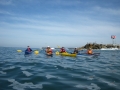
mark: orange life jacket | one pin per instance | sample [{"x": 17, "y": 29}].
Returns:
[
  {"x": 89, "y": 52},
  {"x": 49, "y": 51}
]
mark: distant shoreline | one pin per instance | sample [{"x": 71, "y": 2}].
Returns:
[{"x": 99, "y": 46}]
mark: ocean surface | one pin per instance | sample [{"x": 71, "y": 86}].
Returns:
[{"x": 41, "y": 72}]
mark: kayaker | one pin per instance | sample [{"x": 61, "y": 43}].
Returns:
[
  {"x": 28, "y": 49},
  {"x": 48, "y": 50},
  {"x": 62, "y": 50},
  {"x": 89, "y": 51},
  {"x": 75, "y": 51}
]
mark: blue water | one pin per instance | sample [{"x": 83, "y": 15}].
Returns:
[{"x": 41, "y": 72}]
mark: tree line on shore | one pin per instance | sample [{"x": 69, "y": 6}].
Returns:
[{"x": 99, "y": 46}]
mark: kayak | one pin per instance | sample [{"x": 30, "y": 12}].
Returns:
[
  {"x": 27, "y": 52},
  {"x": 49, "y": 54},
  {"x": 66, "y": 54},
  {"x": 88, "y": 55}
]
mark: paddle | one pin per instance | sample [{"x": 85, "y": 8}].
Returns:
[
  {"x": 19, "y": 50},
  {"x": 57, "y": 53},
  {"x": 58, "y": 46},
  {"x": 36, "y": 52}
]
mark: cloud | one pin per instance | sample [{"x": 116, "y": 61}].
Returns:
[
  {"x": 108, "y": 10},
  {"x": 70, "y": 24},
  {"x": 78, "y": 25},
  {"x": 5, "y": 12},
  {"x": 64, "y": 2},
  {"x": 5, "y": 2}
]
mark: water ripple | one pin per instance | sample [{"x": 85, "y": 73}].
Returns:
[{"x": 37, "y": 72}]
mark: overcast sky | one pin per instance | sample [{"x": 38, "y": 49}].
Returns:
[{"x": 68, "y": 23}]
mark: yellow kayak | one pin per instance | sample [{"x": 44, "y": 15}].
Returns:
[{"x": 66, "y": 54}]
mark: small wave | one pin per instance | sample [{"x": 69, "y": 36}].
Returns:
[
  {"x": 2, "y": 72},
  {"x": 18, "y": 86},
  {"x": 50, "y": 76},
  {"x": 11, "y": 67},
  {"x": 91, "y": 87},
  {"x": 107, "y": 82},
  {"x": 24, "y": 68},
  {"x": 27, "y": 73},
  {"x": 90, "y": 78},
  {"x": 11, "y": 80}
]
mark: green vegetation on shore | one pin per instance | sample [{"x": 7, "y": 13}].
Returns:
[{"x": 99, "y": 46}]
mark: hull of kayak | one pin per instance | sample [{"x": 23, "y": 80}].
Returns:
[
  {"x": 68, "y": 54},
  {"x": 49, "y": 54},
  {"x": 81, "y": 55},
  {"x": 88, "y": 55},
  {"x": 27, "y": 53}
]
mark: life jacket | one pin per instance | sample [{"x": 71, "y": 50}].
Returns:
[
  {"x": 75, "y": 51},
  {"x": 29, "y": 50},
  {"x": 89, "y": 51},
  {"x": 62, "y": 50},
  {"x": 49, "y": 51}
]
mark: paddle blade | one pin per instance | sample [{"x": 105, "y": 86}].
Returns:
[
  {"x": 36, "y": 52},
  {"x": 57, "y": 53},
  {"x": 19, "y": 50}
]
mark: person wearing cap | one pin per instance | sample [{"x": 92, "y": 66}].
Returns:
[
  {"x": 28, "y": 49},
  {"x": 89, "y": 51},
  {"x": 75, "y": 51},
  {"x": 48, "y": 50},
  {"x": 62, "y": 50}
]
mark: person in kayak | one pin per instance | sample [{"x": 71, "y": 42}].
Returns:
[
  {"x": 75, "y": 51},
  {"x": 28, "y": 49},
  {"x": 62, "y": 50},
  {"x": 89, "y": 51},
  {"x": 48, "y": 50}
]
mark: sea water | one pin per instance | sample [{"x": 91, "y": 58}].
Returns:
[{"x": 41, "y": 72}]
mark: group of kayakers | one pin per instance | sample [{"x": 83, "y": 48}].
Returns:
[
  {"x": 62, "y": 50},
  {"x": 89, "y": 51}
]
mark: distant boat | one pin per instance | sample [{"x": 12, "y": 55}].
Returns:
[{"x": 109, "y": 49}]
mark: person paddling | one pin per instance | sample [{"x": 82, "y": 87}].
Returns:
[
  {"x": 28, "y": 49},
  {"x": 75, "y": 51},
  {"x": 89, "y": 51},
  {"x": 62, "y": 50},
  {"x": 48, "y": 50}
]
